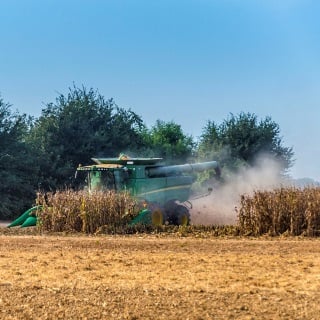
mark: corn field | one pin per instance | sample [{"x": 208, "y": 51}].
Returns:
[
  {"x": 286, "y": 210},
  {"x": 106, "y": 213},
  {"x": 79, "y": 211}
]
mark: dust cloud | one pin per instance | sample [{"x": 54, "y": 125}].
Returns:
[{"x": 219, "y": 208}]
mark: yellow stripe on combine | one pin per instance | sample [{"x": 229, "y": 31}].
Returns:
[{"x": 165, "y": 189}]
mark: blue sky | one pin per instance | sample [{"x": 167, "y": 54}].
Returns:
[{"x": 185, "y": 61}]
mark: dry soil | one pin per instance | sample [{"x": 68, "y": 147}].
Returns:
[{"x": 157, "y": 277}]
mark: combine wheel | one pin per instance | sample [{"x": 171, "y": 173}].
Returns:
[
  {"x": 158, "y": 217},
  {"x": 183, "y": 216},
  {"x": 177, "y": 214}
]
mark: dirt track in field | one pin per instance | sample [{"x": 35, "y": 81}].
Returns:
[{"x": 152, "y": 277}]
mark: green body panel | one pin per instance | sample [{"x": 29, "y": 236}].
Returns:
[
  {"x": 161, "y": 190},
  {"x": 144, "y": 217}
]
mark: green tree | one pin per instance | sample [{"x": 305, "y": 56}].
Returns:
[
  {"x": 240, "y": 140},
  {"x": 79, "y": 126},
  {"x": 18, "y": 165},
  {"x": 167, "y": 140}
]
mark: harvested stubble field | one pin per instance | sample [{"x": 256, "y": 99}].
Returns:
[{"x": 56, "y": 276}]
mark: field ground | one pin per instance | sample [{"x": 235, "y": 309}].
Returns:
[{"x": 157, "y": 277}]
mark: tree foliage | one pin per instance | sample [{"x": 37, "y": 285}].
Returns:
[
  {"x": 18, "y": 168},
  {"x": 167, "y": 140},
  {"x": 44, "y": 153},
  {"x": 240, "y": 140},
  {"x": 79, "y": 126}
]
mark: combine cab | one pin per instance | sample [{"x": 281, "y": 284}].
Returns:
[{"x": 163, "y": 190}]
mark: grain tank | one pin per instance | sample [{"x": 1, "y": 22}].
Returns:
[{"x": 163, "y": 190}]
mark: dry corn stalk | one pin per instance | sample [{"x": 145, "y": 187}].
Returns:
[
  {"x": 283, "y": 210},
  {"x": 82, "y": 211}
]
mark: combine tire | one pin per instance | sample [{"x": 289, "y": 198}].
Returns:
[
  {"x": 177, "y": 214},
  {"x": 183, "y": 216},
  {"x": 158, "y": 217}
]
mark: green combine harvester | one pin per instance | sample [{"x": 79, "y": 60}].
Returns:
[{"x": 163, "y": 191}]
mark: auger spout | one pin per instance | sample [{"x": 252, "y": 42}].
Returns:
[{"x": 183, "y": 168}]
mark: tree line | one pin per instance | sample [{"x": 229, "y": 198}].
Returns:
[{"x": 43, "y": 153}]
